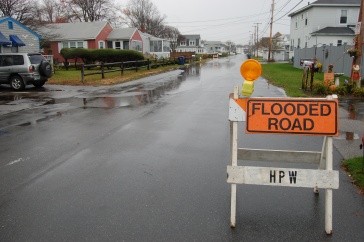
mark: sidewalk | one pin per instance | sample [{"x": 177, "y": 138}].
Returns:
[{"x": 349, "y": 148}]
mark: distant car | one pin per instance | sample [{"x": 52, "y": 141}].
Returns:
[{"x": 21, "y": 69}]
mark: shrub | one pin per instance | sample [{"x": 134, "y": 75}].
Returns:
[
  {"x": 358, "y": 92},
  {"x": 341, "y": 90},
  {"x": 102, "y": 55},
  {"x": 318, "y": 88}
]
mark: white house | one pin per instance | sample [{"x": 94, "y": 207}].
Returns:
[
  {"x": 190, "y": 43},
  {"x": 214, "y": 47},
  {"x": 324, "y": 22},
  {"x": 155, "y": 46}
]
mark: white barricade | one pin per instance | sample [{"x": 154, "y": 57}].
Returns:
[{"x": 280, "y": 116}]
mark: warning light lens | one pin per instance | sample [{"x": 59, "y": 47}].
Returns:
[
  {"x": 251, "y": 70},
  {"x": 247, "y": 88}
]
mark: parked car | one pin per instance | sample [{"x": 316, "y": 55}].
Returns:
[{"x": 21, "y": 69}]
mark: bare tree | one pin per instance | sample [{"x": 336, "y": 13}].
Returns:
[
  {"x": 172, "y": 34},
  {"x": 144, "y": 15},
  {"x": 17, "y": 9},
  {"x": 92, "y": 10}
]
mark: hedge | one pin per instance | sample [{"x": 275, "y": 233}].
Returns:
[{"x": 100, "y": 55}]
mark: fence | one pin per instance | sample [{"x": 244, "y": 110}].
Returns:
[
  {"x": 326, "y": 55},
  {"x": 122, "y": 66}
]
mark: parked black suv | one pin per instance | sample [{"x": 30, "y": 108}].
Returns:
[{"x": 21, "y": 69}]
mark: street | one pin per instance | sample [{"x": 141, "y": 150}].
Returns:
[{"x": 147, "y": 161}]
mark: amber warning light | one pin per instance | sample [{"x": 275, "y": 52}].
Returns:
[
  {"x": 250, "y": 70},
  {"x": 292, "y": 116}
]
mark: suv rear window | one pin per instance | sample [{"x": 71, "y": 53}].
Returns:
[{"x": 35, "y": 59}]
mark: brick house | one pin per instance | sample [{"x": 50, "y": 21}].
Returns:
[{"x": 88, "y": 35}]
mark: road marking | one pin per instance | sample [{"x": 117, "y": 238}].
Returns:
[{"x": 17, "y": 161}]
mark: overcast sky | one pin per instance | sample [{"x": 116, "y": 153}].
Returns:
[{"x": 223, "y": 20}]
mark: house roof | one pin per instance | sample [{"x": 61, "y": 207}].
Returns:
[
  {"x": 151, "y": 37},
  {"x": 125, "y": 33},
  {"x": 334, "y": 31},
  {"x": 75, "y": 31},
  {"x": 192, "y": 36},
  {"x": 213, "y": 43},
  {"x": 326, "y": 3}
]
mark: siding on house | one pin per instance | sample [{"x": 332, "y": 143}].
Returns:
[
  {"x": 190, "y": 43},
  {"x": 26, "y": 35},
  {"x": 307, "y": 21}
]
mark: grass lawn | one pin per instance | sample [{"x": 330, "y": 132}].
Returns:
[
  {"x": 73, "y": 76},
  {"x": 285, "y": 76},
  {"x": 355, "y": 169},
  {"x": 290, "y": 78}
]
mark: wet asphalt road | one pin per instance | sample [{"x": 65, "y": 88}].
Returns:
[{"x": 146, "y": 161}]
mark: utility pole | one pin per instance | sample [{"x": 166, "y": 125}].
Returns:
[
  {"x": 270, "y": 36},
  {"x": 359, "y": 43},
  {"x": 257, "y": 36}
]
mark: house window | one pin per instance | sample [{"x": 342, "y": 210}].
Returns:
[
  {"x": 117, "y": 45},
  {"x": 306, "y": 19},
  {"x": 126, "y": 45},
  {"x": 137, "y": 45},
  {"x": 339, "y": 42},
  {"x": 101, "y": 44},
  {"x": 298, "y": 43},
  {"x": 192, "y": 42},
  {"x": 10, "y": 25},
  {"x": 72, "y": 44},
  {"x": 183, "y": 42},
  {"x": 344, "y": 17},
  {"x": 296, "y": 22}
]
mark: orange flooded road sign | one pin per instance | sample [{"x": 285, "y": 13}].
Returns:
[{"x": 292, "y": 116}]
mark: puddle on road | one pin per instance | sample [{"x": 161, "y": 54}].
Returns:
[{"x": 43, "y": 103}]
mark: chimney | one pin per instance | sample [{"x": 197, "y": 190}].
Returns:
[{"x": 143, "y": 28}]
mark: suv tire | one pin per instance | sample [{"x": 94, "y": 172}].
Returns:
[
  {"x": 45, "y": 69},
  {"x": 17, "y": 83},
  {"x": 38, "y": 84}
]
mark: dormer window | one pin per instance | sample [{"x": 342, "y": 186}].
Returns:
[{"x": 183, "y": 42}]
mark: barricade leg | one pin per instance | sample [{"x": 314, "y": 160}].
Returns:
[
  {"x": 233, "y": 206},
  {"x": 234, "y": 162},
  {"x": 328, "y": 194}
]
